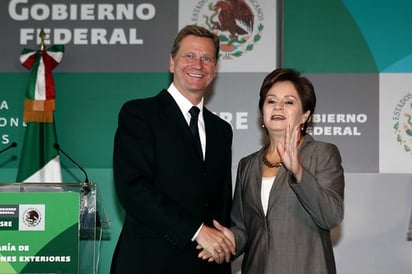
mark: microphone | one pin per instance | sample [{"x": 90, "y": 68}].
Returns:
[
  {"x": 89, "y": 216},
  {"x": 14, "y": 144},
  {"x": 57, "y": 147}
]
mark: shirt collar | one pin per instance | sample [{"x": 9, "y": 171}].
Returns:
[{"x": 183, "y": 103}]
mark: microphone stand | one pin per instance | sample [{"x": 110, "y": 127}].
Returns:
[
  {"x": 86, "y": 186},
  {"x": 89, "y": 216}
]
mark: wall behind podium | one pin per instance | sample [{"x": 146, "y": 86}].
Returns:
[{"x": 357, "y": 53}]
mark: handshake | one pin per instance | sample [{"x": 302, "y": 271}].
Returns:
[{"x": 216, "y": 244}]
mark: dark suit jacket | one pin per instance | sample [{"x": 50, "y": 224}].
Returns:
[{"x": 165, "y": 187}]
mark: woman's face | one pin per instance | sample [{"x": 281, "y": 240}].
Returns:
[{"x": 282, "y": 108}]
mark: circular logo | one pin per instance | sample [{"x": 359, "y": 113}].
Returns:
[
  {"x": 238, "y": 23},
  {"x": 31, "y": 217},
  {"x": 403, "y": 124}
]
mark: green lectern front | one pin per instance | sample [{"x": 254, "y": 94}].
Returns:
[{"x": 48, "y": 228}]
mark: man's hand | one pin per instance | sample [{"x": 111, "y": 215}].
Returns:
[
  {"x": 215, "y": 244},
  {"x": 220, "y": 244}
]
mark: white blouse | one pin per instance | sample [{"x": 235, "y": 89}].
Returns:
[{"x": 267, "y": 183}]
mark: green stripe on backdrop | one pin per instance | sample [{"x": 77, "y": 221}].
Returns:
[
  {"x": 320, "y": 36},
  {"x": 87, "y": 105},
  {"x": 386, "y": 25}
]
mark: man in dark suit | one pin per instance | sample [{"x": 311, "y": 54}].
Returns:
[{"x": 171, "y": 188}]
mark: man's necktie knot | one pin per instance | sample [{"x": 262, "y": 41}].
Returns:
[{"x": 194, "y": 112}]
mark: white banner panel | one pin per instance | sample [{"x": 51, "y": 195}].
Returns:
[
  {"x": 247, "y": 30},
  {"x": 395, "y": 147}
]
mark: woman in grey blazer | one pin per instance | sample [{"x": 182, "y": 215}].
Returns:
[{"x": 289, "y": 194}]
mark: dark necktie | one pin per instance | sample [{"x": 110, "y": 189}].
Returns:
[{"x": 194, "y": 113}]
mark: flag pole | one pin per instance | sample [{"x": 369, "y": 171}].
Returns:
[{"x": 42, "y": 35}]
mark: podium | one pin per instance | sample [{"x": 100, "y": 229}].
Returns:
[{"x": 50, "y": 228}]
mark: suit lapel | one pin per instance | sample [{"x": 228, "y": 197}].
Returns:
[{"x": 174, "y": 116}]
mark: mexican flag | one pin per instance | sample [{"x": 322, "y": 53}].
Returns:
[{"x": 39, "y": 161}]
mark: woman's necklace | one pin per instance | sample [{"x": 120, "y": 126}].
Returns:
[{"x": 266, "y": 161}]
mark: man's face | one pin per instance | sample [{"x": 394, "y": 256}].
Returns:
[{"x": 194, "y": 66}]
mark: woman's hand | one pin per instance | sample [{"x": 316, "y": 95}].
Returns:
[
  {"x": 289, "y": 151},
  {"x": 205, "y": 255}
]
